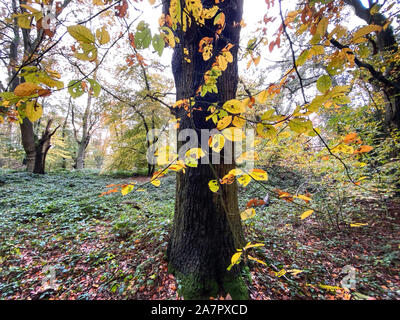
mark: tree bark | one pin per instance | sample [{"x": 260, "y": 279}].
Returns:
[
  {"x": 386, "y": 47},
  {"x": 42, "y": 147},
  {"x": 87, "y": 127},
  {"x": 28, "y": 142},
  {"x": 207, "y": 227}
]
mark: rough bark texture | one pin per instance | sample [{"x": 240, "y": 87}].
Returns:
[
  {"x": 207, "y": 227},
  {"x": 42, "y": 147},
  {"x": 28, "y": 142}
]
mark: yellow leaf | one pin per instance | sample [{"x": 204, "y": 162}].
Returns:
[
  {"x": 152, "y": 2},
  {"x": 280, "y": 273},
  {"x": 236, "y": 257},
  {"x": 239, "y": 122},
  {"x": 256, "y": 245},
  {"x": 244, "y": 180},
  {"x": 217, "y": 143},
  {"x": 81, "y": 34},
  {"x": 262, "y": 97},
  {"x": 233, "y": 134},
  {"x": 156, "y": 182},
  {"x": 259, "y": 175},
  {"x": 302, "y": 197},
  {"x": 306, "y": 214},
  {"x": 213, "y": 185},
  {"x": 342, "y": 148},
  {"x": 102, "y": 35},
  {"x": 224, "y": 123},
  {"x": 266, "y": 131},
  {"x": 248, "y": 214},
  {"x": 366, "y": 30},
  {"x": 236, "y": 172},
  {"x": 254, "y": 259},
  {"x": 127, "y": 189},
  {"x": 234, "y": 106},
  {"x": 295, "y": 271},
  {"x": 195, "y": 153},
  {"x": 322, "y": 26},
  {"x": 357, "y": 225},
  {"x": 33, "y": 111}
]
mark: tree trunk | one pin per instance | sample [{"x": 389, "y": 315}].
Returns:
[
  {"x": 207, "y": 227},
  {"x": 386, "y": 46},
  {"x": 81, "y": 154},
  {"x": 28, "y": 142},
  {"x": 42, "y": 147}
]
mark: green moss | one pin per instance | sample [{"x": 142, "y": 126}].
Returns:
[
  {"x": 236, "y": 287},
  {"x": 192, "y": 288}
]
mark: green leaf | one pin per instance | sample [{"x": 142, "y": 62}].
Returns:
[
  {"x": 324, "y": 83},
  {"x": 75, "y": 88},
  {"x": 143, "y": 36},
  {"x": 266, "y": 131},
  {"x": 304, "y": 56},
  {"x": 300, "y": 125},
  {"x": 81, "y": 34},
  {"x": 89, "y": 52},
  {"x": 94, "y": 87},
  {"x": 158, "y": 44}
]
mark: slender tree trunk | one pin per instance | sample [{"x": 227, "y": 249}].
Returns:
[
  {"x": 86, "y": 135},
  {"x": 63, "y": 134},
  {"x": 207, "y": 227}
]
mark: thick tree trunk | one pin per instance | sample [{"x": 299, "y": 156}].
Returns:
[
  {"x": 207, "y": 227},
  {"x": 81, "y": 154},
  {"x": 28, "y": 142},
  {"x": 42, "y": 147}
]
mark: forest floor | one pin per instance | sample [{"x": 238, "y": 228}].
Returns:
[{"x": 60, "y": 240}]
